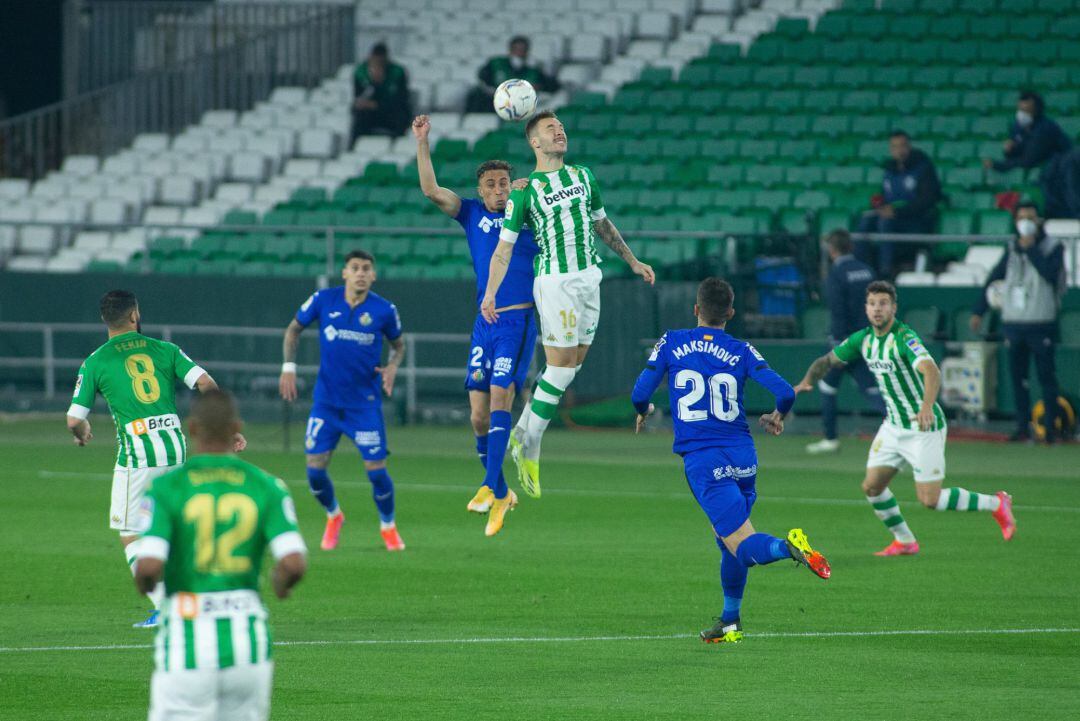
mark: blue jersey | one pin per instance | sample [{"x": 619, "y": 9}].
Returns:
[
  {"x": 350, "y": 346},
  {"x": 482, "y": 231},
  {"x": 707, "y": 371}
]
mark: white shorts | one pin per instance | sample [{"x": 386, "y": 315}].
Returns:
[
  {"x": 569, "y": 306},
  {"x": 129, "y": 485},
  {"x": 239, "y": 693},
  {"x": 896, "y": 447}
]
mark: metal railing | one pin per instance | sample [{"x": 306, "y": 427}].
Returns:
[
  {"x": 50, "y": 363},
  {"x": 238, "y": 69}
]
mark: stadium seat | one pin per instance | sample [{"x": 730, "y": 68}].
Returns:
[{"x": 924, "y": 321}]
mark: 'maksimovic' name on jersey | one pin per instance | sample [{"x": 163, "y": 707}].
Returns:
[
  {"x": 703, "y": 346},
  {"x": 560, "y": 207}
]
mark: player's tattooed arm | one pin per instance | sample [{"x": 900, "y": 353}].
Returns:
[
  {"x": 613, "y": 239},
  {"x": 287, "y": 381},
  {"x": 393, "y": 362},
  {"x": 818, "y": 370}
]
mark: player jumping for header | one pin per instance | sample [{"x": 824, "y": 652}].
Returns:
[
  {"x": 137, "y": 376},
  {"x": 499, "y": 353},
  {"x": 707, "y": 370},
  {"x": 352, "y": 322},
  {"x": 913, "y": 432},
  {"x": 562, "y": 205}
]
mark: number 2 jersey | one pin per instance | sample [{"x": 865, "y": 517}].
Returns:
[
  {"x": 212, "y": 521},
  {"x": 137, "y": 376},
  {"x": 707, "y": 371}
]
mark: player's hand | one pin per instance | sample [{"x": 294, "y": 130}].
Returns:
[
  {"x": 804, "y": 386},
  {"x": 975, "y": 323},
  {"x": 389, "y": 373},
  {"x": 645, "y": 271},
  {"x": 639, "y": 425},
  {"x": 84, "y": 438},
  {"x": 773, "y": 423},
  {"x": 239, "y": 443},
  {"x": 925, "y": 419},
  {"x": 421, "y": 126},
  {"x": 287, "y": 386},
  {"x": 487, "y": 309},
  {"x": 519, "y": 184}
]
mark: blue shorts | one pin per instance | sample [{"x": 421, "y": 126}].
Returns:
[
  {"x": 722, "y": 480},
  {"x": 500, "y": 352},
  {"x": 363, "y": 425}
]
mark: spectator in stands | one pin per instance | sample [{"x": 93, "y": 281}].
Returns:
[
  {"x": 845, "y": 293},
  {"x": 910, "y": 193},
  {"x": 502, "y": 68},
  {"x": 1033, "y": 268},
  {"x": 382, "y": 105},
  {"x": 1037, "y": 141}
]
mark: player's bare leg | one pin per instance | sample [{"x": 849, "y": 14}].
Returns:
[
  {"x": 563, "y": 365},
  {"x": 480, "y": 417},
  {"x": 131, "y": 551},
  {"x": 876, "y": 487},
  {"x": 323, "y": 490},
  {"x": 933, "y": 496}
]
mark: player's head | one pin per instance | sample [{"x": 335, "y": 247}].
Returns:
[
  {"x": 120, "y": 310},
  {"x": 358, "y": 271},
  {"x": 715, "y": 304},
  {"x": 880, "y": 304},
  {"x": 899, "y": 146},
  {"x": 214, "y": 421},
  {"x": 837, "y": 243},
  {"x": 519, "y": 47},
  {"x": 493, "y": 184},
  {"x": 546, "y": 134}
]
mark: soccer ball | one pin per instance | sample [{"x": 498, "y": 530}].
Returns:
[{"x": 515, "y": 99}]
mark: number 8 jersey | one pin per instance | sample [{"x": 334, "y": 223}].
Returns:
[
  {"x": 707, "y": 371},
  {"x": 137, "y": 376}
]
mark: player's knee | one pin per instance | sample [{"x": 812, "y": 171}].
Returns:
[
  {"x": 501, "y": 398},
  {"x": 318, "y": 461},
  {"x": 929, "y": 497},
  {"x": 374, "y": 465},
  {"x": 872, "y": 487},
  {"x": 479, "y": 420}
]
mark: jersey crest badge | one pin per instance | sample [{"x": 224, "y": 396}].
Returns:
[{"x": 365, "y": 319}]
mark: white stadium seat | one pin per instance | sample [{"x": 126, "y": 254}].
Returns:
[
  {"x": 109, "y": 211},
  {"x": 289, "y": 96},
  {"x": 80, "y": 165},
  {"x": 37, "y": 239},
  {"x": 656, "y": 24},
  {"x": 234, "y": 192},
  {"x": 160, "y": 215},
  {"x": 92, "y": 241},
  {"x": 14, "y": 188},
  {"x": 317, "y": 143},
  {"x": 151, "y": 142},
  {"x": 587, "y": 47},
  {"x": 219, "y": 119},
  {"x": 915, "y": 278},
  {"x": 27, "y": 263}
]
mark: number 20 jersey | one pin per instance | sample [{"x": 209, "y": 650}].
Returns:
[
  {"x": 137, "y": 376},
  {"x": 707, "y": 371}
]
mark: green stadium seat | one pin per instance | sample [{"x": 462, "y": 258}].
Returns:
[
  {"x": 814, "y": 322},
  {"x": 814, "y": 99},
  {"x": 901, "y": 101},
  {"x": 811, "y": 200},
  {"x": 966, "y": 178},
  {"x": 757, "y": 149},
  {"x": 772, "y": 200},
  {"x": 941, "y": 101},
  {"x": 915, "y": 27},
  {"x": 792, "y": 28},
  {"x": 206, "y": 245},
  {"x": 804, "y": 175},
  {"x": 656, "y": 77},
  {"x": 737, "y": 224},
  {"x": 713, "y": 125},
  {"x": 797, "y": 151},
  {"x": 1065, "y": 28},
  {"x": 860, "y": 7},
  {"x": 893, "y": 77},
  {"x": 766, "y": 50},
  {"x": 1051, "y": 78},
  {"x": 754, "y": 126},
  {"x": 811, "y": 77},
  {"x": 843, "y": 52},
  {"x": 976, "y": 7},
  {"x": 772, "y": 78},
  {"x": 833, "y": 26},
  {"x": 240, "y": 217},
  {"x": 924, "y": 321},
  {"x": 1063, "y": 102},
  {"x": 936, "y": 76},
  {"x": 980, "y": 102},
  {"x": 954, "y": 27},
  {"x": 726, "y": 176},
  {"x": 279, "y": 217},
  {"x": 104, "y": 266},
  {"x": 950, "y": 126},
  {"x": 934, "y": 7},
  {"x": 675, "y": 125},
  {"x": 957, "y": 222},
  {"x": 649, "y": 175},
  {"x": 873, "y": 151},
  {"x": 795, "y": 221},
  {"x": 379, "y": 173},
  {"x": 861, "y": 101},
  {"x": 877, "y": 126},
  {"x": 990, "y": 127},
  {"x": 853, "y": 77},
  {"x": 833, "y": 219},
  {"x": 767, "y": 176},
  {"x": 695, "y": 201},
  {"x": 960, "y": 152},
  {"x": 846, "y": 175},
  {"x": 832, "y": 126},
  {"x": 784, "y": 101},
  {"x": 696, "y": 76},
  {"x": 308, "y": 196},
  {"x": 735, "y": 198},
  {"x": 995, "y": 222},
  {"x": 725, "y": 52}
]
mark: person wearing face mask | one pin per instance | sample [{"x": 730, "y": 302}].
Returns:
[
  {"x": 381, "y": 104},
  {"x": 499, "y": 69},
  {"x": 910, "y": 190},
  {"x": 1033, "y": 268},
  {"x": 1037, "y": 141}
]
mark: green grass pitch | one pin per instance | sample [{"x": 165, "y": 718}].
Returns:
[{"x": 588, "y": 604}]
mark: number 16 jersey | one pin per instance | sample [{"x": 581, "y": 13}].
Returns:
[{"x": 137, "y": 376}]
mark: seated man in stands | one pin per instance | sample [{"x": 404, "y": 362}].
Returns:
[
  {"x": 910, "y": 193},
  {"x": 382, "y": 105},
  {"x": 502, "y": 68},
  {"x": 1037, "y": 141}
]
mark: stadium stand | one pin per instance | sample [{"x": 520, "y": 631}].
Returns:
[{"x": 720, "y": 120}]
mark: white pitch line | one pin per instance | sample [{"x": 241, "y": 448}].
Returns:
[
  {"x": 579, "y": 639},
  {"x": 584, "y": 492}
]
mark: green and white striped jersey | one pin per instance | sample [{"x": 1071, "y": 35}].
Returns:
[
  {"x": 137, "y": 376},
  {"x": 560, "y": 207},
  {"x": 211, "y": 521},
  {"x": 893, "y": 359}
]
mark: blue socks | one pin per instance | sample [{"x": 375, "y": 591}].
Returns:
[
  {"x": 761, "y": 548},
  {"x": 482, "y": 450},
  {"x": 733, "y": 581},
  {"x": 497, "y": 439},
  {"x": 322, "y": 488},
  {"x": 382, "y": 490}
]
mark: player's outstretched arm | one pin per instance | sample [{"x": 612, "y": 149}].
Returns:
[
  {"x": 500, "y": 263},
  {"x": 288, "y": 572},
  {"x": 818, "y": 370},
  {"x": 931, "y": 386},
  {"x": 287, "y": 381},
  {"x": 613, "y": 239},
  {"x": 446, "y": 200},
  {"x": 646, "y": 385},
  {"x": 780, "y": 389}
]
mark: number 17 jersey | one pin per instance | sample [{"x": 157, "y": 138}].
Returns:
[{"x": 137, "y": 376}]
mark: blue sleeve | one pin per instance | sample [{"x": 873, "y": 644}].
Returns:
[
  {"x": 760, "y": 371},
  {"x": 309, "y": 311},
  {"x": 651, "y": 377},
  {"x": 392, "y": 327},
  {"x": 462, "y": 216}
]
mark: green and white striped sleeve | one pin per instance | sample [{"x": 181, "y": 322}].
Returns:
[
  {"x": 851, "y": 348},
  {"x": 912, "y": 349},
  {"x": 185, "y": 368},
  {"x": 82, "y": 400},
  {"x": 596, "y": 204},
  {"x": 514, "y": 219}
]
